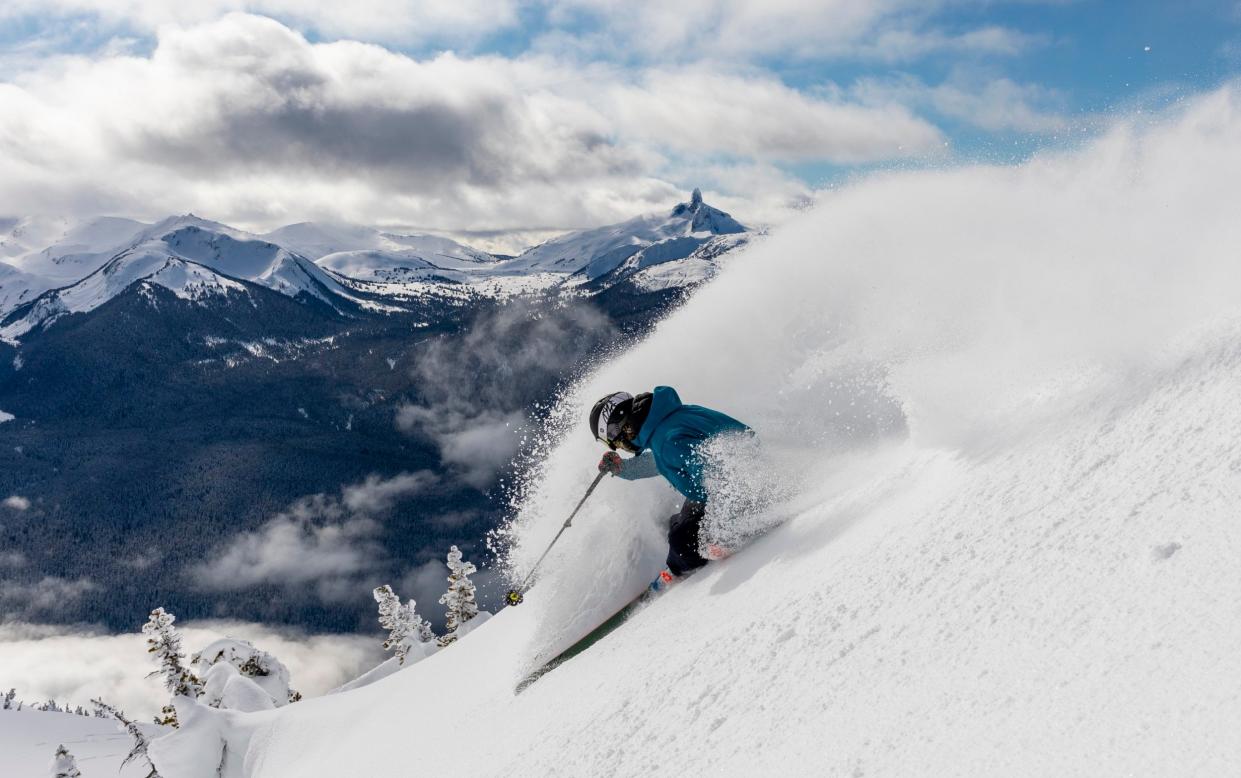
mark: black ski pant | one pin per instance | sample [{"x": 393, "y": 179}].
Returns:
[{"x": 683, "y": 553}]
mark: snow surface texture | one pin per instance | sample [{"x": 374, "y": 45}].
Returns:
[
  {"x": 1009, "y": 546},
  {"x": 28, "y": 740}
]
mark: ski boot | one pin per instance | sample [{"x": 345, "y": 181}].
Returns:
[{"x": 662, "y": 581}]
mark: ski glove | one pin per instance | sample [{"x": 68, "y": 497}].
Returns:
[{"x": 611, "y": 463}]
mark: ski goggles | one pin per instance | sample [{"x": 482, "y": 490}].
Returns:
[{"x": 610, "y": 431}]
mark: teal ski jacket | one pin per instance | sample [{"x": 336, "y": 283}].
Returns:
[{"x": 672, "y": 436}]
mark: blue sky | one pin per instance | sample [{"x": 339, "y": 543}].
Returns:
[{"x": 550, "y": 114}]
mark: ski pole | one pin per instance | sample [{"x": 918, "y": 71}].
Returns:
[{"x": 515, "y": 596}]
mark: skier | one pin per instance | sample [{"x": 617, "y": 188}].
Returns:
[{"x": 666, "y": 437}]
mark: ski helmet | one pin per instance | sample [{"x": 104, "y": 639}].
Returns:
[{"x": 607, "y": 417}]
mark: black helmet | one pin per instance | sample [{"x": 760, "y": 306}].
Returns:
[
  {"x": 608, "y": 416},
  {"x": 617, "y": 419}
]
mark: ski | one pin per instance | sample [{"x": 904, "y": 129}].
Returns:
[{"x": 592, "y": 637}]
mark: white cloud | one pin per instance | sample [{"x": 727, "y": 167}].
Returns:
[
  {"x": 477, "y": 442},
  {"x": 12, "y": 559},
  {"x": 389, "y": 21},
  {"x": 72, "y": 665},
  {"x": 258, "y": 127},
  {"x": 377, "y": 494},
  {"x": 425, "y": 584},
  {"x": 16, "y": 502},
  {"x": 29, "y": 600},
  {"x": 724, "y": 30},
  {"x": 994, "y": 104},
  {"x": 705, "y": 112},
  {"x": 321, "y": 544},
  {"x": 473, "y": 393}
]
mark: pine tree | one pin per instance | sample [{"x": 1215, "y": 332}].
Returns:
[
  {"x": 404, "y": 625},
  {"x": 140, "y": 740},
  {"x": 64, "y": 765},
  {"x": 8, "y": 699},
  {"x": 165, "y": 643},
  {"x": 459, "y": 598}
]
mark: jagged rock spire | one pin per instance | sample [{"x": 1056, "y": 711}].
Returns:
[{"x": 695, "y": 199}]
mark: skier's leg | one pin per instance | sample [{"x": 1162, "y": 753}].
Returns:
[{"x": 683, "y": 539}]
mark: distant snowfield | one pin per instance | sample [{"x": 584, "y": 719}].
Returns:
[
  {"x": 29, "y": 738},
  {"x": 6, "y": 417},
  {"x": 1002, "y": 434}
]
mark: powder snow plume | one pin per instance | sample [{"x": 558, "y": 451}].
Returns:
[
  {"x": 957, "y": 310},
  {"x": 997, "y": 474}
]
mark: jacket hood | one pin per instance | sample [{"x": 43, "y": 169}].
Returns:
[{"x": 664, "y": 400}]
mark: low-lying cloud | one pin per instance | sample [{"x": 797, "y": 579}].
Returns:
[
  {"x": 320, "y": 544},
  {"x": 16, "y": 503},
  {"x": 22, "y": 600},
  {"x": 474, "y": 390},
  {"x": 74, "y": 665}
]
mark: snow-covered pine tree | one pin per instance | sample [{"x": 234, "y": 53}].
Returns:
[
  {"x": 459, "y": 599},
  {"x": 64, "y": 765},
  {"x": 140, "y": 740},
  {"x": 404, "y": 625},
  {"x": 165, "y": 643},
  {"x": 8, "y": 701}
]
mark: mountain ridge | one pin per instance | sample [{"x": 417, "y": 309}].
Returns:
[{"x": 350, "y": 268}]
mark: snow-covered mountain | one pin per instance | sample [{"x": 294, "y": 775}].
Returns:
[
  {"x": 663, "y": 237},
  {"x": 196, "y": 259},
  {"x": 348, "y": 268},
  {"x": 317, "y": 240}
]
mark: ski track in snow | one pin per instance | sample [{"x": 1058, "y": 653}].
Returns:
[{"x": 1011, "y": 543}]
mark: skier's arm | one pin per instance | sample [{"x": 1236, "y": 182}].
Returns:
[{"x": 639, "y": 467}]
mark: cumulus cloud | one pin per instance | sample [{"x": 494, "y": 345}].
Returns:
[
  {"x": 995, "y": 104},
  {"x": 73, "y": 665},
  {"x": 474, "y": 391},
  {"x": 321, "y": 544},
  {"x": 16, "y": 502},
  {"x": 377, "y": 494},
  {"x": 728, "y": 29},
  {"x": 259, "y": 126},
  {"x": 699, "y": 111},
  {"x": 21, "y": 600},
  {"x": 393, "y": 21}
]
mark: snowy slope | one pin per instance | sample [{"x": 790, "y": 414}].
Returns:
[
  {"x": 22, "y": 236},
  {"x": 1000, "y": 432},
  {"x": 28, "y": 739},
  {"x": 196, "y": 259},
  {"x": 17, "y": 287},
  {"x": 81, "y": 249},
  {"x": 316, "y": 241},
  {"x": 597, "y": 252}
]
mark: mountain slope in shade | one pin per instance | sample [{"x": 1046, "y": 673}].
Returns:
[{"x": 195, "y": 259}]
